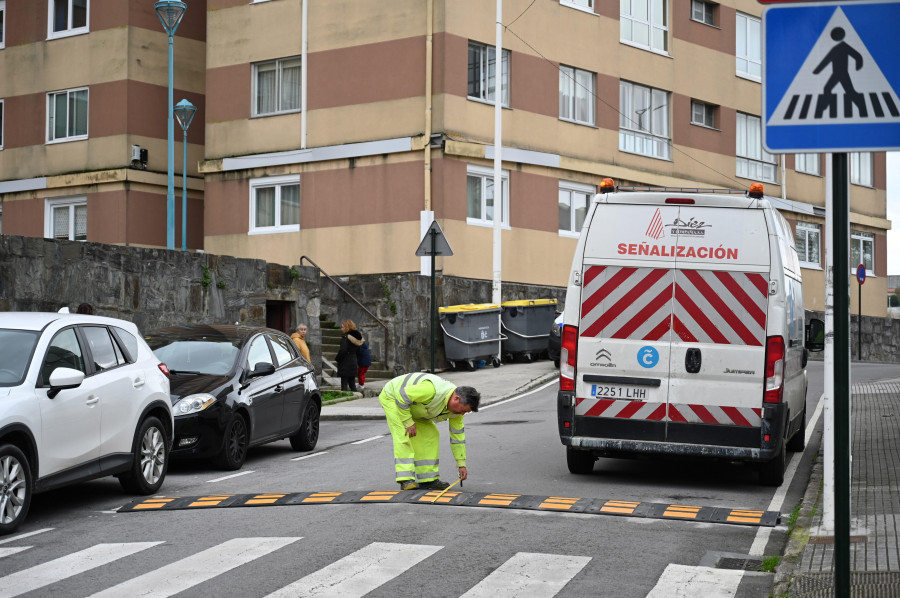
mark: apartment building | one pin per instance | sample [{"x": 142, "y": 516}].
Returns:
[{"x": 338, "y": 129}]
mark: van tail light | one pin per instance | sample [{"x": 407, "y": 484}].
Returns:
[
  {"x": 567, "y": 356},
  {"x": 164, "y": 369},
  {"x": 774, "y": 369}
]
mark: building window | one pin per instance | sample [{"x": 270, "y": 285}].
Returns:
[
  {"x": 276, "y": 86},
  {"x": 2, "y": 23},
  {"x": 862, "y": 251},
  {"x": 645, "y": 23},
  {"x": 703, "y": 114},
  {"x": 644, "y": 121},
  {"x": 807, "y": 239},
  {"x": 861, "y": 169},
  {"x": 66, "y": 219},
  {"x": 482, "y": 67},
  {"x": 807, "y": 163},
  {"x": 275, "y": 204},
  {"x": 582, "y": 4},
  {"x": 753, "y": 162},
  {"x": 480, "y": 196},
  {"x": 576, "y": 95},
  {"x": 748, "y": 50},
  {"x": 704, "y": 12},
  {"x": 67, "y": 17},
  {"x": 574, "y": 200},
  {"x": 67, "y": 115}
]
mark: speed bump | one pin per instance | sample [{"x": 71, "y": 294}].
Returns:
[{"x": 567, "y": 504}]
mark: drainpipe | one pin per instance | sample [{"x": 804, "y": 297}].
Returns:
[
  {"x": 429, "y": 53},
  {"x": 304, "y": 53}
]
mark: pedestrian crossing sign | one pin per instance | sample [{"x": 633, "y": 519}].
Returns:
[{"x": 831, "y": 77}]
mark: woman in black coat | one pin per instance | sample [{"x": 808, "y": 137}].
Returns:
[{"x": 346, "y": 357}]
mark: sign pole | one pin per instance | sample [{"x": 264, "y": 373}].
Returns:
[
  {"x": 433, "y": 234},
  {"x": 859, "y": 326},
  {"x": 434, "y": 243}
]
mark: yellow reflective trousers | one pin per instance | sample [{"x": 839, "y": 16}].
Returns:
[{"x": 415, "y": 458}]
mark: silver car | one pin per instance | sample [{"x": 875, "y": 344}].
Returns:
[{"x": 81, "y": 397}]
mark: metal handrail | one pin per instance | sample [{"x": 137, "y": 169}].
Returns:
[{"x": 355, "y": 300}]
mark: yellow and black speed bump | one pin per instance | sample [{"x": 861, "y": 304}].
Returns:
[{"x": 567, "y": 504}]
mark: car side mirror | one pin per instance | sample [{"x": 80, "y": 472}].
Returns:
[
  {"x": 262, "y": 369},
  {"x": 64, "y": 379},
  {"x": 815, "y": 335}
]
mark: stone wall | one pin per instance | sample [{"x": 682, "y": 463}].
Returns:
[{"x": 880, "y": 338}]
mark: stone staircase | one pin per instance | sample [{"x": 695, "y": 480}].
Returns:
[{"x": 331, "y": 342}]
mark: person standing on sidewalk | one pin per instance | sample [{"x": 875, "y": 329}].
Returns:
[
  {"x": 412, "y": 404},
  {"x": 299, "y": 338},
  {"x": 364, "y": 361},
  {"x": 346, "y": 356}
]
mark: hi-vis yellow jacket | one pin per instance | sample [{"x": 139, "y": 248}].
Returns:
[{"x": 422, "y": 396}]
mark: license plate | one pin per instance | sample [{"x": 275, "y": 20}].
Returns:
[{"x": 626, "y": 393}]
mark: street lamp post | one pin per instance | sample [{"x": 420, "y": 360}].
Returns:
[
  {"x": 184, "y": 112},
  {"x": 170, "y": 13}
]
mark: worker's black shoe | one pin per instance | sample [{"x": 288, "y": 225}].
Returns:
[
  {"x": 408, "y": 485},
  {"x": 434, "y": 485}
]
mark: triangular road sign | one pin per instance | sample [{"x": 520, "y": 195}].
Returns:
[
  {"x": 839, "y": 83},
  {"x": 441, "y": 246}
]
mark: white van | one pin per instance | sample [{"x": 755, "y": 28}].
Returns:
[{"x": 683, "y": 331}]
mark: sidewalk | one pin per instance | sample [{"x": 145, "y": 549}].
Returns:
[
  {"x": 807, "y": 569},
  {"x": 494, "y": 384}
]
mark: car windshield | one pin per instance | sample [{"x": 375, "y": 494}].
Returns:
[
  {"x": 195, "y": 356},
  {"x": 16, "y": 347}
]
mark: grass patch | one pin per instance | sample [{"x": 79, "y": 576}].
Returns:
[
  {"x": 329, "y": 396},
  {"x": 792, "y": 520},
  {"x": 769, "y": 563}
]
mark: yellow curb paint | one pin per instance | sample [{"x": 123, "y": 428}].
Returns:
[
  {"x": 682, "y": 511},
  {"x": 380, "y": 495},
  {"x": 433, "y": 497},
  {"x": 322, "y": 497},
  {"x": 743, "y": 519},
  {"x": 619, "y": 506},
  {"x": 157, "y": 505}
]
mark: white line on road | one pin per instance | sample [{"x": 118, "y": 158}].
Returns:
[
  {"x": 359, "y": 573},
  {"x": 11, "y": 550},
  {"x": 682, "y": 581},
  {"x": 522, "y": 396},
  {"x": 76, "y": 563},
  {"x": 200, "y": 567},
  {"x": 228, "y": 477},
  {"x": 529, "y": 574},
  {"x": 311, "y": 455},
  {"x": 20, "y": 536},
  {"x": 762, "y": 535},
  {"x": 368, "y": 439}
]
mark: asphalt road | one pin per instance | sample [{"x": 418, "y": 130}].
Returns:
[{"x": 429, "y": 550}]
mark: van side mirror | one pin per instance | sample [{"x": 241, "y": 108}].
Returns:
[{"x": 815, "y": 335}]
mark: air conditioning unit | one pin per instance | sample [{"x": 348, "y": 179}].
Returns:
[{"x": 135, "y": 153}]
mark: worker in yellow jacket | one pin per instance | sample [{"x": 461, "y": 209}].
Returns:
[{"x": 412, "y": 404}]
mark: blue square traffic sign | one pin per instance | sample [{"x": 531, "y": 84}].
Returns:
[{"x": 831, "y": 73}]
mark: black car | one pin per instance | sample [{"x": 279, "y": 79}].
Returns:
[{"x": 234, "y": 387}]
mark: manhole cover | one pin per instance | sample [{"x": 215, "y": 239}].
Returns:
[{"x": 739, "y": 564}]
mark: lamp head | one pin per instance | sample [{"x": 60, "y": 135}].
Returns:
[
  {"x": 170, "y": 13},
  {"x": 184, "y": 112}
]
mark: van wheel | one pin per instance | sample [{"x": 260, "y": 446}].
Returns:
[
  {"x": 150, "y": 460},
  {"x": 579, "y": 462},
  {"x": 15, "y": 488},
  {"x": 798, "y": 442},
  {"x": 771, "y": 473}
]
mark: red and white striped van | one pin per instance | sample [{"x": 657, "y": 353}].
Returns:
[{"x": 683, "y": 331}]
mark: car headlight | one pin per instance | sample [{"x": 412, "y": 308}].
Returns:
[{"x": 193, "y": 403}]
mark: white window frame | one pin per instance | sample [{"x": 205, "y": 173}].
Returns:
[
  {"x": 632, "y": 133},
  {"x": 69, "y": 30},
  {"x": 701, "y": 10},
  {"x": 484, "y": 65},
  {"x": 71, "y": 203},
  {"x": 752, "y": 160},
  {"x": 748, "y": 54},
  {"x": 708, "y": 110},
  {"x": 277, "y": 182},
  {"x": 861, "y": 239},
  {"x": 573, "y": 189},
  {"x": 808, "y": 164},
  {"x": 861, "y": 169},
  {"x": 811, "y": 233},
  {"x": 2, "y": 24},
  {"x": 642, "y": 14},
  {"x": 571, "y": 82},
  {"x": 585, "y": 5},
  {"x": 486, "y": 174},
  {"x": 279, "y": 64},
  {"x": 51, "y": 116}
]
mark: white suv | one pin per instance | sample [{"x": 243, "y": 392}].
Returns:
[{"x": 81, "y": 397}]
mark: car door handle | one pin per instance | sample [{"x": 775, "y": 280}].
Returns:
[
  {"x": 138, "y": 382},
  {"x": 92, "y": 400},
  {"x": 279, "y": 388}
]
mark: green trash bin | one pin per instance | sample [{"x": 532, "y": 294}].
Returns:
[
  {"x": 526, "y": 327},
  {"x": 471, "y": 333}
]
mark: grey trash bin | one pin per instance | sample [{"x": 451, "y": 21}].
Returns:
[
  {"x": 471, "y": 333},
  {"x": 526, "y": 327}
]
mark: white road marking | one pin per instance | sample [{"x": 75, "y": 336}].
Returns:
[
  {"x": 203, "y": 566},
  {"x": 679, "y": 581},
  {"x": 529, "y": 574},
  {"x": 67, "y": 566},
  {"x": 309, "y": 456},
  {"x": 228, "y": 477},
  {"x": 11, "y": 550},
  {"x": 20, "y": 536},
  {"x": 369, "y": 439},
  {"x": 359, "y": 573},
  {"x": 522, "y": 396},
  {"x": 762, "y": 534}
]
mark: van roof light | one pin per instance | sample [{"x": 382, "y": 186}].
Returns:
[
  {"x": 680, "y": 200},
  {"x": 756, "y": 191},
  {"x": 607, "y": 186}
]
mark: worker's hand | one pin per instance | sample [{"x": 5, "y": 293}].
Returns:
[
  {"x": 463, "y": 473},
  {"x": 411, "y": 430}
]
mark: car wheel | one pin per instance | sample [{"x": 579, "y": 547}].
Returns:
[
  {"x": 798, "y": 442},
  {"x": 151, "y": 459},
  {"x": 15, "y": 488},
  {"x": 307, "y": 436},
  {"x": 771, "y": 473},
  {"x": 237, "y": 439},
  {"x": 579, "y": 462}
]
